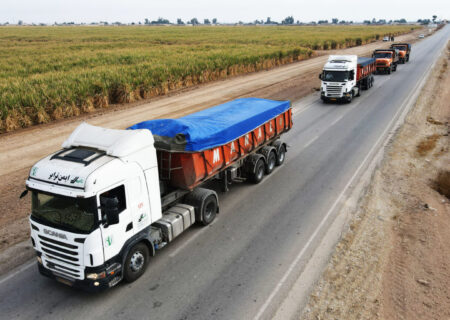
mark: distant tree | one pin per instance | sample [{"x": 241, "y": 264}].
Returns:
[
  {"x": 214, "y": 20},
  {"x": 374, "y": 21},
  {"x": 268, "y": 21},
  {"x": 133, "y": 23},
  {"x": 434, "y": 18},
  {"x": 342, "y": 22},
  {"x": 194, "y": 21},
  {"x": 322, "y": 22},
  {"x": 140, "y": 22},
  {"x": 334, "y": 20},
  {"x": 20, "y": 22},
  {"x": 147, "y": 21},
  {"x": 366, "y": 22},
  {"x": 288, "y": 20},
  {"x": 206, "y": 21},
  {"x": 160, "y": 21},
  {"x": 179, "y": 21}
]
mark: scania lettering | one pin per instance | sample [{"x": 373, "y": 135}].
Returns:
[
  {"x": 343, "y": 77},
  {"x": 110, "y": 199}
]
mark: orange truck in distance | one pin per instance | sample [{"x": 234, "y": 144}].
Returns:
[
  {"x": 386, "y": 60},
  {"x": 404, "y": 51}
]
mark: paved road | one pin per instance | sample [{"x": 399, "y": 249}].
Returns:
[{"x": 230, "y": 269}]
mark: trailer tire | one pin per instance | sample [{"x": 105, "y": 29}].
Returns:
[
  {"x": 201, "y": 199},
  {"x": 258, "y": 174},
  {"x": 389, "y": 70},
  {"x": 271, "y": 162},
  {"x": 136, "y": 262},
  {"x": 281, "y": 155}
]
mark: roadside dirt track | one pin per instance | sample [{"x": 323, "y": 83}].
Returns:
[{"x": 19, "y": 150}]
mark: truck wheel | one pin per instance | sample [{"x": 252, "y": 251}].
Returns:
[
  {"x": 136, "y": 262},
  {"x": 281, "y": 155},
  {"x": 349, "y": 99},
  {"x": 257, "y": 176},
  {"x": 389, "y": 70},
  {"x": 271, "y": 161},
  {"x": 205, "y": 203},
  {"x": 209, "y": 210}
]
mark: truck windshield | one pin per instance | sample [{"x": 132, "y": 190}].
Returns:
[
  {"x": 76, "y": 215},
  {"x": 383, "y": 55},
  {"x": 401, "y": 48},
  {"x": 336, "y": 76}
]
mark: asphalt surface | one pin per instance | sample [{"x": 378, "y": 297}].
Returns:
[{"x": 229, "y": 270}]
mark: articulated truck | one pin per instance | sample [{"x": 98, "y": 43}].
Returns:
[
  {"x": 344, "y": 77},
  {"x": 110, "y": 199},
  {"x": 386, "y": 60},
  {"x": 404, "y": 51}
]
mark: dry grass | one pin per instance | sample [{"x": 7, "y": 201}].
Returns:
[{"x": 427, "y": 144}]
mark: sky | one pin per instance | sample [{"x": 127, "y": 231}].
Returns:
[{"x": 50, "y": 11}]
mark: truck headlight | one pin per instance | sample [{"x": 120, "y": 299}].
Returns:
[{"x": 95, "y": 276}]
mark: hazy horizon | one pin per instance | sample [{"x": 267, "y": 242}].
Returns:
[{"x": 84, "y": 11}]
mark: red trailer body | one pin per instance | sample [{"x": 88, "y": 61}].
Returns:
[
  {"x": 366, "y": 67},
  {"x": 186, "y": 170}
]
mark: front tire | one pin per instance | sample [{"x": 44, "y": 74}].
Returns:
[{"x": 136, "y": 262}]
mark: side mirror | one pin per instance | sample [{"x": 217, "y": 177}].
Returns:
[
  {"x": 23, "y": 194},
  {"x": 352, "y": 75},
  {"x": 110, "y": 207},
  {"x": 320, "y": 76}
]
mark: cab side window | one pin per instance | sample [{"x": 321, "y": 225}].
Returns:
[{"x": 116, "y": 193}]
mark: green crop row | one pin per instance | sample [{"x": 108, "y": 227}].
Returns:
[{"x": 48, "y": 73}]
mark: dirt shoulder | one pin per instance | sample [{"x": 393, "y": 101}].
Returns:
[
  {"x": 394, "y": 261},
  {"x": 19, "y": 150}
]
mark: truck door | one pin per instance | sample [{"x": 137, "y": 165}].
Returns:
[{"x": 114, "y": 236}]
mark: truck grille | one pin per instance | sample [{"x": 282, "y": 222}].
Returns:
[
  {"x": 334, "y": 91},
  {"x": 62, "y": 258}
]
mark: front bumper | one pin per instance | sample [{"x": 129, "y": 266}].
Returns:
[
  {"x": 97, "y": 285},
  {"x": 344, "y": 97}
]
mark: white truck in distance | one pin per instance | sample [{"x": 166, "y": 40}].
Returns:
[
  {"x": 107, "y": 201},
  {"x": 343, "y": 77}
]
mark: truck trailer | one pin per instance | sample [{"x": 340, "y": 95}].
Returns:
[
  {"x": 343, "y": 77},
  {"x": 386, "y": 60},
  {"x": 404, "y": 51},
  {"x": 110, "y": 199}
]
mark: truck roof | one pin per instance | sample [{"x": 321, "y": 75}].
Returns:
[{"x": 116, "y": 143}]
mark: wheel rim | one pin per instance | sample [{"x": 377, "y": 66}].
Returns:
[
  {"x": 271, "y": 163},
  {"x": 137, "y": 261},
  {"x": 209, "y": 210},
  {"x": 260, "y": 172},
  {"x": 281, "y": 157}
]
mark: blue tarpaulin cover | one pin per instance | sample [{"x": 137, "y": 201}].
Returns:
[
  {"x": 365, "y": 61},
  {"x": 215, "y": 126}
]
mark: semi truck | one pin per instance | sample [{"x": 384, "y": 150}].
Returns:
[
  {"x": 386, "y": 60},
  {"x": 343, "y": 77},
  {"x": 110, "y": 199},
  {"x": 404, "y": 51}
]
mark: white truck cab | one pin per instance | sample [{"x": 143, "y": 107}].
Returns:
[
  {"x": 71, "y": 192},
  {"x": 339, "y": 78},
  {"x": 343, "y": 77}
]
